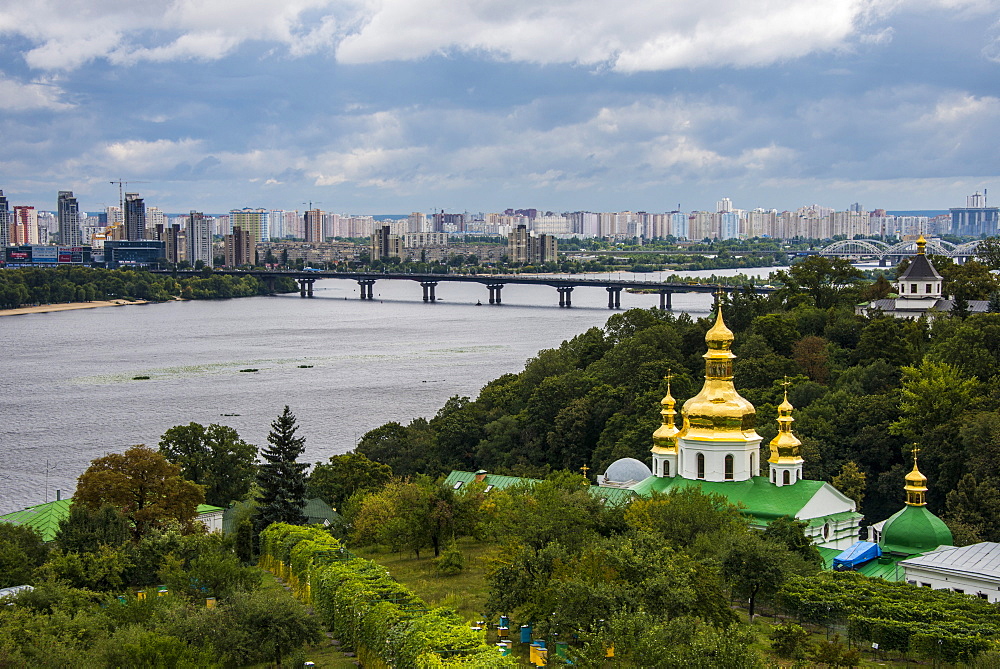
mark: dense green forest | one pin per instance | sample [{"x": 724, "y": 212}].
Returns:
[
  {"x": 22, "y": 287},
  {"x": 865, "y": 390}
]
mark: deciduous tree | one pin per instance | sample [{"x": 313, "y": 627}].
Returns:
[
  {"x": 343, "y": 475},
  {"x": 144, "y": 486},
  {"x": 214, "y": 457}
]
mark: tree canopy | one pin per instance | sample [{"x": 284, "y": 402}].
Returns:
[
  {"x": 144, "y": 486},
  {"x": 214, "y": 457}
]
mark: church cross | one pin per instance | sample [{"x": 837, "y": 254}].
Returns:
[
  {"x": 585, "y": 469},
  {"x": 669, "y": 376}
]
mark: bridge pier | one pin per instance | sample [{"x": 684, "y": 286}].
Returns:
[
  {"x": 366, "y": 288},
  {"x": 269, "y": 282},
  {"x": 306, "y": 287},
  {"x": 614, "y": 297},
  {"x": 428, "y": 287},
  {"x": 565, "y": 296},
  {"x": 494, "y": 289},
  {"x": 665, "y": 300}
]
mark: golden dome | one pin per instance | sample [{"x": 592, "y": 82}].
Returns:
[
  {"x": 665, "y": 437},
  {"x": 718, "y": 412},
  {"x": 785, "y": 447},
  {"x": 719, "y": 337},
  {"x": 921, "y": 245},
  {"x": 916, "y": 484}
]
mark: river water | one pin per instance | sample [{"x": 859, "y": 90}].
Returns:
[{"x": 68, "y": 392}]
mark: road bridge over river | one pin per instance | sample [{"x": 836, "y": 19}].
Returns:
[{"x": 564, "y": 284}]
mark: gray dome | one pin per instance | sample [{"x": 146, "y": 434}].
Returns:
[{"x": 627, "y": 469}]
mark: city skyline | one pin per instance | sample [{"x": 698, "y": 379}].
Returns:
[{"x": 433, "y": 104}]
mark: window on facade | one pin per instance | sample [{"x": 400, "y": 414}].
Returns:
[
  {"x": 959, "y": 591},
  {"x": 826, "y": 531},
  {"x": 913, "y": 287},
  {"x": 666, "y": 467},
  {"x": 786, "y": 477},
  {"x": 753, "y": 464},
  {"x": 927, "y": 289},
  {"x": 982, "y": 595},
  {"x": 701, "y": 465},
  {"x": 729, "y": 467},
  {"x": 925, "y": 585},
  {"x": 457, "y": 485}
]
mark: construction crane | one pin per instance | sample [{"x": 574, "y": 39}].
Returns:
[{"x": 121, "y": 191}]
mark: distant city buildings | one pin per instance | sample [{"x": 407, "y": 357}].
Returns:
[
  {"x": 68, "y": 214},
  {"x": 975, "y": 219},
  {"x": 135, "y": 217},
  {"x": 530, "y": 233},
  {"x": 199, "y": 239},
  {"x": 254, "y": 222},
  {"x": 526, "y": 248},
  {"x": 238, "y": 248}
]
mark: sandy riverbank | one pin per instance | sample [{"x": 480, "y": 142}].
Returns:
[{"x": 68, "y": 306}]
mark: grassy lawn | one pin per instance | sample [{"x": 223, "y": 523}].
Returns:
[{"x": 466, "y": 592}]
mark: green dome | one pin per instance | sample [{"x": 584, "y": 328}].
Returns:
[{"x": 914, "y": 529}]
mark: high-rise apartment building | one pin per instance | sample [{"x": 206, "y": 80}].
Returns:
[
  {"x": 24, "y": 228},
  {"x": 313, "y": 224},
  {"x": 68, "y": 214},
  {"x": 239, "y": 248},
  {"x": 523, "y": 247},
  {"x": 384, "y": 244},
  {"x": 254, "y": 222},
  {"x": 135, "y": 217},
  {"x": 4, "y": 221},
  {"x": 975, "y": 219},
  {"x": 199, "y": 239}
]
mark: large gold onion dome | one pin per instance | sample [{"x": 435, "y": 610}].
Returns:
[{"x": 718, "y": 412}]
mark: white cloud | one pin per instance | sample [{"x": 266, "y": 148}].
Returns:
[
  {"x": 39, "y": 94},
  {"x": 628, "y": 35},
  {"x": 141, "y": 157}
]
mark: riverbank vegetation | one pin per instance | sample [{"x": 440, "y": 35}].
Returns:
[
  {"x": 865, "y": 389},
  {"x": 31, "y": 286}
]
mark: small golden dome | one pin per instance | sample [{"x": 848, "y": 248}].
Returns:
[
  {"x": 916, "y": 484},
  {"x": 665, "y": 437},
  {"x": 785, "y": 447},
  {"x": 921, "y": 245}
]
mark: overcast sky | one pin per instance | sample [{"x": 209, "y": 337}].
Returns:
[{"x": 392, "y": 106}]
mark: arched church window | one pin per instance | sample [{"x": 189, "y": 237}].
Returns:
[
  {"x": 786, "y": 477},
  {"x": 774, "y": 476},
  {"x": 826, "y": 531},
  {"x": 753, "y": 464},
  {"x": 701, "y": 465},
  {"x": 666, "y": 467},
  {"x": 729, "y": 467}
]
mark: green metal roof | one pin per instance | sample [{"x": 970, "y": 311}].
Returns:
[
  {"x": 759, "y": 497},
  {"x": 495, "y": 480},
  {"x": 913, "y": 530},
  {"x": 45, "y": 518},
  {"x": 612, "y": 496}
]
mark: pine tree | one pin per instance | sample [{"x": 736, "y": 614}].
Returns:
[{"x": 282, "y": 480}]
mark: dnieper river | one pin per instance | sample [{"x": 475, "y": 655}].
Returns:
[{"x": 68, "y": 394}]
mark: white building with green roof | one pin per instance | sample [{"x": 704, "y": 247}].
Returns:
[{"x": 717, "y": 449}]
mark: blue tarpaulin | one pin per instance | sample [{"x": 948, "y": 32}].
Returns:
[{"x": 858, "y": 554}]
